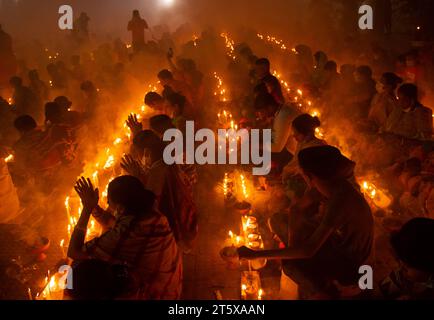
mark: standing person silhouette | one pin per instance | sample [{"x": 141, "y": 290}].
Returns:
[{"x": 137, "y": 26}]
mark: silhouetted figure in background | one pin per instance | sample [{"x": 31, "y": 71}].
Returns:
[
  {"x": 383, "y": 16},
  {"x": 38, "y": 87},
  {"x": 24, "y": 100},
  {"x": 81, "y": 28},
  {"x": 137, "y": 26},
  {"x": 8, "y": 63}
]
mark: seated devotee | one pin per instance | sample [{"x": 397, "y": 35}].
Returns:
[
  {"x": 92, "y": 100},
  {"x": 186, "y": 70},
  {"x": 60, "y": 134},
  {"x": 265, "y": 107},
  {"x": 273, "y": 89},
  {"x": 24, "y": 100},
  {"x": 137, "y": 242},
  {"x": 317, "y": 77},
  {"x": 410, "y": 120},
  {"x": 330, "y": 85},
  {"x": 412, "y": 246},
  {"x": 35, "y": 156},
  {"x": 38, "y": 86},
  {"x": 8, "y": 61},
  {"x": 363, "y": 93},
  {"x": 413, "y": 71},
  {"x": 71, "y": 118},
  {"x": 385, "y": 100},
  {"x": 78, "y": 72},
  {"x": 168, "y": 183},
  {"x": 194, "y": 79},
  {"x": 159, "y": 125},
  {"x": 304, "y": 64},
  {"x": 303, "y": 129},
  {"x": 281, "y": 130},
  {"x": 156, "y": 102},
  {"x": 345, "y": 88},
  {"x": 270, "y": 115},
  {"x": 7, "y": 117},
  {"x": 81, "y": 31},
  {"x": 264, "y": 77},
  {"x": 167, "y": 80},
  {"x": 177, "y": 104},
  {"x": 57, "y": 80},
  {"x": 336, "y": 243},
  {"x": 412, "y": 181}
]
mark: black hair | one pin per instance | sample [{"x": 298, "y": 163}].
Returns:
[
  {"x": 33, "y": 74},
  {"x": 326, "y": 163},
  {"x": 165, "y": 75},
  {"x": 331, "y": 66},
  {"x": 160, "y": 123},
  {"x": 306, "y": 124},
  {"x": 152, "y": 97},
  {"x": 245, "y": 50},
  {"x": 16, "y": 81},
  {"x": 25, "y": 123},
  {"x": 263, "y": 62},
  {"x": 147, "y": 139},
  {"x": 87, "y": 86},
  {"x": 414, "y": 244},
  {"x": 320, "y": 54},
  {"x": 130, "y": 192},
  {"x": 63, "y": 102},
  {"x": 365, "y": 71},
  {"x": 53, "y": 112},
  {"x": 409, "y": 90},
  {"x": 391, "y": 79}
]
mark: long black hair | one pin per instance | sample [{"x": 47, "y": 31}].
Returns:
[
  {"x": 306, "y": 124},
  {"x": 326, "y": 163},
  {"x": 130, "y": 192}
]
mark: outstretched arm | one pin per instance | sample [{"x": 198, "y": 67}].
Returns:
[{"x": 306, "y": 251}]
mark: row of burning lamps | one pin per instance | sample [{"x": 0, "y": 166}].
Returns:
[
  {"x": 249, "y": 235},
  {"x": 250, "y": 280},
  {"x": 237, "y": 186}
]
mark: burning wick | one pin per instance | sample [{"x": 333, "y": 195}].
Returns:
[
  {"x": 9, "y": 158},
  {"x": 62, "y": 242},
  {"x": 260, "y": 294}
]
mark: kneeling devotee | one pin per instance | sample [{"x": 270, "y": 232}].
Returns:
[{"x": 332, "y": 254}]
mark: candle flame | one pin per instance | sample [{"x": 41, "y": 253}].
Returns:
[{"x": 9, "y": 158}]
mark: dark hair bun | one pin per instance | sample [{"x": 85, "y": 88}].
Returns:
[{"x": 306, "y": 124}]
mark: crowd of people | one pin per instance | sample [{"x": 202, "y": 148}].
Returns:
[{"x": 63, "y": 111}]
